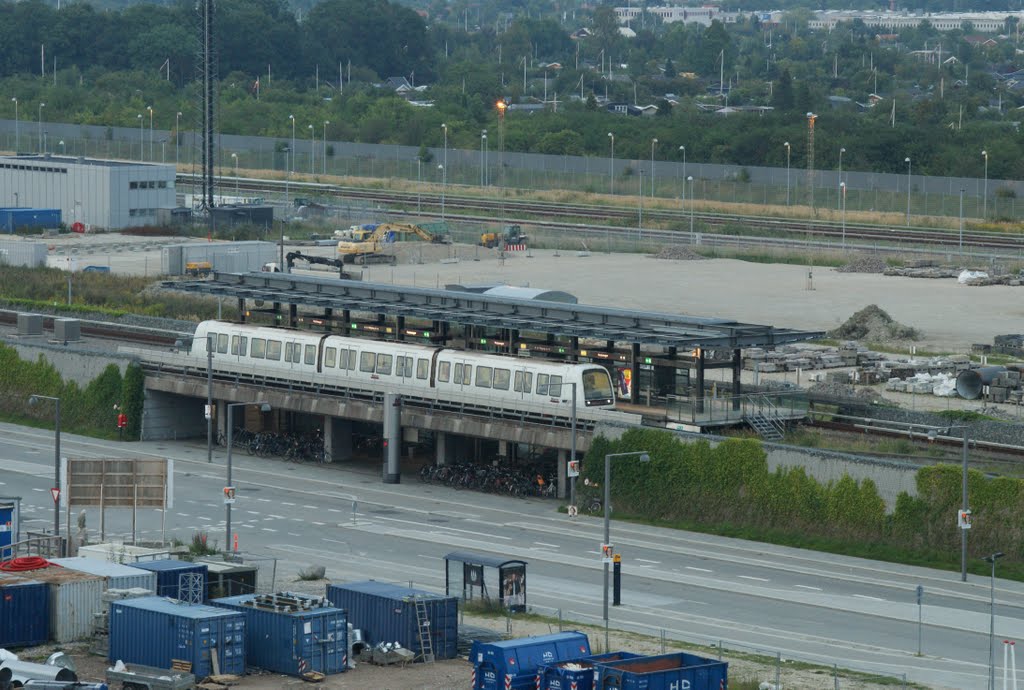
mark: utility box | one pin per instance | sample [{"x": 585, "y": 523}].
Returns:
[
  {"x": 30, "y": 324},
  {"x": 67, "y": 330}
]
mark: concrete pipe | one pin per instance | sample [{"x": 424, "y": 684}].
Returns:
[
  {"x": 5, "y": 676},
  {"x": 971, "y": 382},
  {"x": 24, "y": 671}
]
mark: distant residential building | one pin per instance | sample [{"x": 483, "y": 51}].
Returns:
[{"x": 984, "y": 22}]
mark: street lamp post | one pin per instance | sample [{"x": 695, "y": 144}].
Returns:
[
  {"x": 992, "y": 558},
  {"x": 291, "y": 167},
  {"x": 611, "y": 166},
  {"x": 842, "y": 150},
  {"x": 654, "y": 142},
  {"x": 483, "y": 163},
  {"x": 234, "y": 158},
  {"x": 17, "y": 131},
  {"x": 264, "y": 407},
  {"x": 34, "y": 400},
  {"x": 640, "y": 204},
  {"x": 142, "y": 138},
  {"x": 644, "y": 457},
  {"x": 683, "y": 150},
  {"x": 961, "y": 221},
  {"x": 842, "y": 200},
  {"x": 63, "y": 149},
  {"x": 788, "y": 151},
  {"x": 444, "y": 128},
  {"x": 312, "y": 150},
  {"x": 444, "y": 182},
  {"x": 690, "y": 180},
  {"x": 907, "y": 161},
  {"x": 150, "y": 109},
  {"x": 326, "y": 122},
  {"x": 419, "y": 181},
  {"x": 177, "y": 137},
  {"x": 41, "y": 106},
  {"x": 984, "y": 193}
]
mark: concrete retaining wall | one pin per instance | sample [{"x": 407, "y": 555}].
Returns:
[
  {"x": 74, "y": 362},
  {"x": 168, "y": 417}
]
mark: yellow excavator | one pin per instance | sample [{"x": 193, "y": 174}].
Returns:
[{"x": 372, "y": 249}]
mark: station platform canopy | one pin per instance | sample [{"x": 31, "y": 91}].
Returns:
[{"x": 497, "y": 311}]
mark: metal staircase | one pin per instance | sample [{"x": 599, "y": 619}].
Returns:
[
  {"x": 423, "y": 622},
  {"x": 763, "y": 417}
]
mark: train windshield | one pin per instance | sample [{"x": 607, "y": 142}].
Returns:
[{"x": 597, "y": 385}]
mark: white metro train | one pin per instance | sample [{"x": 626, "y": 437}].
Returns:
[{"x": 444, "y": 374}]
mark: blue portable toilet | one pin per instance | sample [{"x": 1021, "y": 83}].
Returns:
[{"x": 513, "y": 664}]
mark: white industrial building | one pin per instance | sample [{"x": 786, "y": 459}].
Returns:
[{"x": 101, "y": 194}]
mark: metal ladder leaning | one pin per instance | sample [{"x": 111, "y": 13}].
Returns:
[{"x": 423, "y": 623}]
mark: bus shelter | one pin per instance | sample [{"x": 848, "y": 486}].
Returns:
[{"x": 479, "y": 581}]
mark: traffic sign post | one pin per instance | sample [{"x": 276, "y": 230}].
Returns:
[
  {"x": 55, "y": 492},
  {"x": 920, "y": 597}
]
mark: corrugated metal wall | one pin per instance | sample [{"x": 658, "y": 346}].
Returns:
[
  {"x": 25, "y": 609},
  {"x": 116, "y": 576}
]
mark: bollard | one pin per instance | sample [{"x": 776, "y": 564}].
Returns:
[
  {"x": 559, "y": 620},
  {"x": 778, "y": 668},
  {"x": 616, "y": 580},
  {"x": 835, "y": 675},
  {"x": 663, "y": 640}
]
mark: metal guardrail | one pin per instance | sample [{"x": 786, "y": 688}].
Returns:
[
  {"x": 783, "y": 405},
  {"x": 37, "y": 544}
]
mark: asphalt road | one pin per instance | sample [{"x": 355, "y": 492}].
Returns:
[{"x": 809, "y": 606}]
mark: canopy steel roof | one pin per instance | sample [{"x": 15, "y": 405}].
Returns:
[{"x": 556, "y": 318}]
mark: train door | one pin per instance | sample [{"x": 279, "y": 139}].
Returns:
[
  {"x": 405, "y": 368},
  {"x": 522, "y": 383},
  {"x": 293, "y": 353},
  {"x": 462, "y": 376}
]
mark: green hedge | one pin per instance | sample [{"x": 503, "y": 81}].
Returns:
[
  {"x": 88, "y": 410},
  {"x": 728, "y": 489}
]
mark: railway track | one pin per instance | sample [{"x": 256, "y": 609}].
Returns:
[
  {"x": 582, "y": 218},
  {"x": 104, "y": 329}
]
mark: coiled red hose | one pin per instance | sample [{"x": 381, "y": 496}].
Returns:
[{"x": 19, "y": 565}]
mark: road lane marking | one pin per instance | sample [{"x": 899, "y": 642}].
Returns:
[
  {"x": 423, "y": 555},
  {"x": 286, "y": 503},
  {"x": 553, "y": 546},
  {"x": 200, "y": 517},
  {"x": 865, "y": 596},
  {"x": 252, "y": 512},
  {"x": 310, "y": 507},
  {"x": 699, "y": 570},
  {"x": 451, "y": 529},
  {"x": 267, "y": 529},
  {"x": 813, "y": 589},
  {"x": 319, "y": 524},
  {"x": 333, "y": 510},
  {"x": 277, "y": 517},
  {"x": 293, "y": 534},
  {"x": 644, "y": 560},
  {"x": 40, "y": 490},
  {"x": 751, "y": 577},
  {"x": 264, "y": 500}
]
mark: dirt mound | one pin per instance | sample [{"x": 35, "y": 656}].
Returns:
[
  {"x": 864, "y": 264},
  {"x": 677, "y": 253},
  {"x": 873, "y": 324}
]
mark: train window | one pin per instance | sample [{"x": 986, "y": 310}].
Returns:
[
  {"x": 273, "y": 349},
  {"x": 501, "y": 379},
  {"x": 597, "y": 385},
  {"x": 222, "y": 343},
  {"x": 367, "y": 360},
  {"x": 555, "y": 386},
  {"x": 212, "y": 336},
  {"x": 288, "y": 348},
  {"x": 483, "y": 377},
  {"x": 444, "y": 370},
  {"x": 523, "y": 382},
  {"x": 238, "y": 343},
  {"x": 259, "y": 348},
  {"x": 542, "y": 384},
  {"x": 384, "y": 364},
  {"x": 311, "y": 354},
  {"x": 458, "y": 375},
  {"x": 330, "y": 355},
  {"x": 347, "y": 360},
  {"x": 467, "y": 374},
  {"x": 422, "y": 368},
  {"x": 403, "y": 366}
]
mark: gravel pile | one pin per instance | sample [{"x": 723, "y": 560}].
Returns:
[
  {"x": 677, "y": 253},
  {"x": 873, "y": 324},
  {"x": 868, "y": 263},
  {"x": 831, "y": 389}
]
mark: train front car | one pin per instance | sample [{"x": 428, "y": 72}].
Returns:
[{"x": 597, "y": 388}]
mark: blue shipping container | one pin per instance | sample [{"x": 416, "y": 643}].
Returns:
[
  {"x": 576, "y": 674},
  {"x": 168, "y": 573},
  {"x": 387, "y": 613},
  {"x": 154, "y": 631},
  {"x": 292, "y": 642},
  {"x": 12, "y": 219},
  {"x": 25, "y": 605},
  {"x": 665, "y": 672},
  {"x": 513, "y": 664}
]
